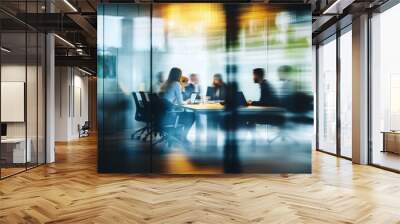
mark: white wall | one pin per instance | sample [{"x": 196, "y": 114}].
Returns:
[
  {"x": 71, "y": 102},
  {"x": 33, "y": 126},
  {"x": 13, "y": 73}
]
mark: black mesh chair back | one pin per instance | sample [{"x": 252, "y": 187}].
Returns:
[{"x": 140, "y": 114}]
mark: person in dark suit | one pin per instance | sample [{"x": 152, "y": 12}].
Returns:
[
  {"x": 267, "y": 96},
  {"x": 218, "y": 89}
]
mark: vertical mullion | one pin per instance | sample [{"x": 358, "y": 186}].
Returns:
[
  {"x": 317, "y": 96},
  {"x": 45, "y": 89},
  {"x": 37, "y": 89},
  {"x": 369, "y": 96},
  {"x": 151, "y": 81},
  {"x": 338, "y": 77},
  {"x": 0, "y": 87},
  {"x": 26, "y": 85}
]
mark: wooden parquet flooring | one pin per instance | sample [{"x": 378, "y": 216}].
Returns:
[{"x": 71, "y": 191}]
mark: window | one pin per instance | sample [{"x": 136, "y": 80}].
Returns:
[
  {"x": 346, "y": 94},
  {"x": 385, "y": 89},
  {"x": 327, "y": 96}
]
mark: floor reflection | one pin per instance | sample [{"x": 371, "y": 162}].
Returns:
[{"x": 244, "y": 152}]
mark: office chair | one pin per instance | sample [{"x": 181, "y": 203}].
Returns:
[
  {"x": 279, "y": 121},
  {"x": 84, "y": 129},
  {"x": 298, "y": 107},
  {"x": 165, "y": 120},
  {"x": 276, "y": 119},
  {"x": 141, "y": 115},
  {"x": 301, "y": 108},
  {"x": 144, "y": 96}
]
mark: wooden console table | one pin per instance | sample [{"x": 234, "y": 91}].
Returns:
[{"x": 391, "y": 141}]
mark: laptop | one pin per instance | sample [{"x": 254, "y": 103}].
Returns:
[
  {"x": 241, "y": 100},
  {"x": 193, "y": 98}
]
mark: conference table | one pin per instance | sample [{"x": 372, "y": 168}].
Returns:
[{"x": 214, "y": 112}]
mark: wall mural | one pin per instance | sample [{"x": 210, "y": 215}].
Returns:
[{"x": 204, "y": 88}]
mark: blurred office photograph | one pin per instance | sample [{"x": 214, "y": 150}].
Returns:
[
  {"x": 199, "y": 111},
  {"x": 205, "y": 88}
]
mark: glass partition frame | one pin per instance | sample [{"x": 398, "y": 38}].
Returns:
[
  {"x": 337, "y": 150},
  {"x": 33, "y": 68}
]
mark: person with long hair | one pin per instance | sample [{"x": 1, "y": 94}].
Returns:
[{"x": 171, "y": 91}]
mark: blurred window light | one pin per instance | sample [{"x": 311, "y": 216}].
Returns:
[
  {"x": 113, "y": 23},
  {"x": 141, "y": 34}
]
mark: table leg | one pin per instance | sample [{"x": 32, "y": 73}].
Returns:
[{"x": 212, "y": 131}]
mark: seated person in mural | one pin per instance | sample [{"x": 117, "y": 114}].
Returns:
[
  {"x": 171, "y": 91},
  {"x": 290, "y": 95},
  {"x": 184, "y": 81},
  {"x": 218, "y": 89},
  {"x": 158, "y": 82},
  {"x": 287, "y": 85},
  {"x": 192, "y": 87},
  {"x": 267, "y": 96}
]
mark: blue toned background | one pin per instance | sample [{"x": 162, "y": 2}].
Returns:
[{"x": 138, "y": 44}]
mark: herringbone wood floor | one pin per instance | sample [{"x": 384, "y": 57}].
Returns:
[{"x": 71, "y": 191}]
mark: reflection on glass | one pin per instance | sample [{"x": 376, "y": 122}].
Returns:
[
  {"x": 346, "y": 94},
  {"x": 15, "y": 148},
  {"x": 327, "y": 97},
  {"x": 385, "y": 85},
  {"x": 22, "y": 93},
  {"x": 123, "y": 71},
  {"x": 206, "y": 88}
]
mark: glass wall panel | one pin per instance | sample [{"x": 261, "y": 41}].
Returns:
[
  {"x": 123, "y": 72},
  {"x": 227, "y": 87},
  {"x": 15, "y": 149},
  {"x": 327, "y": 96},
  {"x": 385, "y": 84},
  {"x": 22, "y": 92},
  {"x": 346, "y": 94}
]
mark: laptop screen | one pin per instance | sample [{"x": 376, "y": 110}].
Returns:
[
  {"x": 241, "y": 100},
  {"x": 193, "y": 98}
]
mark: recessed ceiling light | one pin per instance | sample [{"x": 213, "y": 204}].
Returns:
[
  {"x": 5, "y": 50},
  {"x": 64, "y": 40},
  {"x": 84, "y": 71},
  {"x": 70, "y": 5},
  {"x": 333, "y": 6}
]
